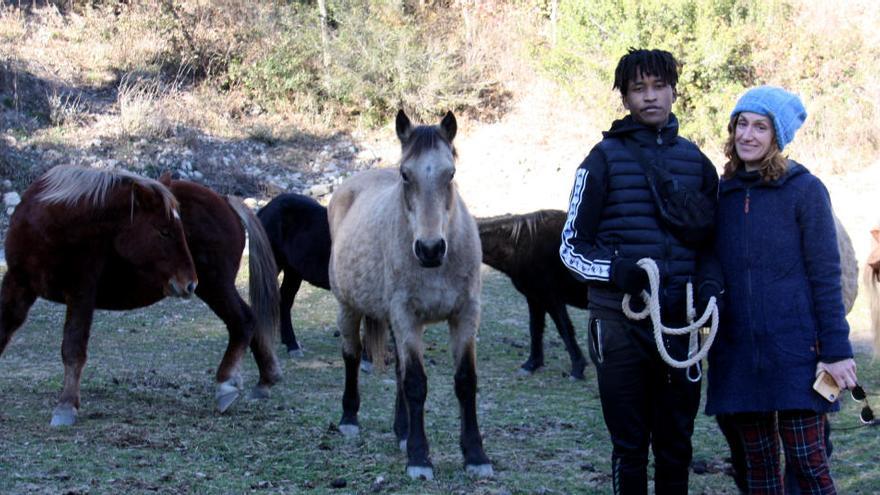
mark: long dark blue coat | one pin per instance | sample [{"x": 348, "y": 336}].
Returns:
[{"x": 784, "y": 311}]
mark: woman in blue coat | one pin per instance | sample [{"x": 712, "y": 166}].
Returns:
[{"x": 783, "y": 319}]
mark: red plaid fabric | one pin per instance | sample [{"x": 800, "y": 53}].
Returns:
[{"x": 802, "y": 434}]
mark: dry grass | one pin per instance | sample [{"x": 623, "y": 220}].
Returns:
[
  {"x": 148, "y": 108},
  {"x": 146, "y": 422}
]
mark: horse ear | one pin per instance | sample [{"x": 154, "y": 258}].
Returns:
[
  {"x": 404, "y": 126},
  {"x": 449, "y": 126},
  {"x": 165, "y": 178}
]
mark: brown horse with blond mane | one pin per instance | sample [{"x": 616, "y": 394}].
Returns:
[
  {"x": 74, "y": 234},
  {"x": 114, "y": 240}
]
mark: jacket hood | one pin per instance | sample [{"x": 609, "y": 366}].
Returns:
[
  {"x": 740, "y": 182},
  {"x": 628, "y": 127}
]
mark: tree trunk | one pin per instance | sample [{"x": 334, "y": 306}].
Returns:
[{"x": 322, "y": 10}]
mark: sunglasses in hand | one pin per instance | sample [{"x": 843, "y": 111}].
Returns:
[{"x": 859, "y": 395}]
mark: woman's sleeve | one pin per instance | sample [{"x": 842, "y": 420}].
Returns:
[{"x": 822, "y": 262}]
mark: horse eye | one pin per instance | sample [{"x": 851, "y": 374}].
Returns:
[
  {"x": 405, "y": 176},
  {"x": 165, "y": 233}
]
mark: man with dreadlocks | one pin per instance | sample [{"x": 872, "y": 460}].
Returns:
[{"x": 612, "y": 223}]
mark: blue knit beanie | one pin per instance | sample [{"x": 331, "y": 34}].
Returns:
[{"x": 784, "y": 109}]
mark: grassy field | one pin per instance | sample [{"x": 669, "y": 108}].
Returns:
[{"x": 147, "y": 422}]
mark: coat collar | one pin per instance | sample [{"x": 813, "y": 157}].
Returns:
[
  {"x": 743, "y": 179},
  {"x": 644, "y": 135}
]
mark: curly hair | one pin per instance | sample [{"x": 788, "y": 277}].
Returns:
[
  {"x": 658, "y": 63},
  {"x": 772, "y": 166}
]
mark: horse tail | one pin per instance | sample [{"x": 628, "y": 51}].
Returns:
[
  {"x": 871, "y": 285},
  {"x": 263, "y": 278},
  {"x": 375, "y": 339}
]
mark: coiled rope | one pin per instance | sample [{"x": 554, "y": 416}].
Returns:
[{"x": 652, "y": 309}]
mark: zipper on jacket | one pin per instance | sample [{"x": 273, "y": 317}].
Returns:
[
  {"x": 749, "y": 320},
  {"x": 659, "y": 138}
]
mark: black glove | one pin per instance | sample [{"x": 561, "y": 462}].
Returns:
[
  {"x": 707, "y": 291},
  {"x": 628, "y": 276}
]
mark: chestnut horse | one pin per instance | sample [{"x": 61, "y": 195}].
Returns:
[
  {"x": 90, "y": 239},
  {"x": 215, "y": 230},
  {"x": 212, "y": 228},
  {"x": 405, "y": 252}
]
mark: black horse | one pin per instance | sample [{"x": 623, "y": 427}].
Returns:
[
  {"x": 526, "y": 249},
  {"x": 300, "y": 237}
]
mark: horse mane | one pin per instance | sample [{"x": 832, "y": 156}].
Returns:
[
  {"x": 424, "y": 138},
  {"x": 70, "y": 184},
  {"x": 521, "y": 228}
]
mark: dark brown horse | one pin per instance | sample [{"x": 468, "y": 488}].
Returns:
[
  {"x": 526, "y": 249},
  {"x": 88, "y": 238},
  {"x": 212, "y": 227},
  {"x": 215, "y": 232}
]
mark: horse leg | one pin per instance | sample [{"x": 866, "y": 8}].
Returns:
[
  {"x": 415, "y": 390},
  {"x": 536, "y": 334},
  {"x": 462, "y": 336},
  {"x": 239, "y": 320},
  {"x": 74, "y": 347},
  {"x": 559, "y": 314},
  {"x": 401, "y": 413},
  {"x": 289, "y": 288},
  {"x": 349, "y": 322},
  {"x": 16, "y": 299},
  {"x": 366, "y": 356}
]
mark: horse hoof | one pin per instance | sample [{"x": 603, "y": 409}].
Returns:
[
  {"x": 480, "y": 470},
  {"x": 226, "y": 394},
  {"x": 575, "y": 377},
  {"x": 259, "y": 393},
  {"x": 350, "y": 431},
  {"x": 236, "y": 380},
  {"x": 421, "y": 472},
  {"x": 63, "y": 416},
  {"x": 402, "y": 445},
  {"x": 295, "y": 353},
  {"x": 366, "y": 367},
  {"x": 524, "y": 372}
]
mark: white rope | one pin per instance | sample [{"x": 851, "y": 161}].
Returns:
[{"x": 652, "y": 309}]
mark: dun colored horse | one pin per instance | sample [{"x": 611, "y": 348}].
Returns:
[
  {"x": 871, "y": 280},
  {"x": 299, "y": 234},
  {"x": 405, "y": 253},
  {"x": 526, "y": 249},
  {"x": 87, "y": 244},
  {"x": 91, "y": 239}
]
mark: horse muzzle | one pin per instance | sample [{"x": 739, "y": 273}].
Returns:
[
  {"x": 430, "y": 253},
  {"x": 184, "y": 289}
]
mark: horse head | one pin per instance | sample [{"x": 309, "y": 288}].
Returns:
[
  {"x": 153, "y": 240},
  {"x": 427, "y": 166}
]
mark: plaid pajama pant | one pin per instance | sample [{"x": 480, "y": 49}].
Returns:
[{"x": 802, "y": 434}]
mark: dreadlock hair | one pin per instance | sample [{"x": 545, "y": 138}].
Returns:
[
  {"x": 657, "y": 63},
  {"x": 772, "y": 166}
]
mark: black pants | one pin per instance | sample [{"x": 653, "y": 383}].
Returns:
[{"x": 645, "y": 403}]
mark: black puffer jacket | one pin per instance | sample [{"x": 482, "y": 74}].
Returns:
[{"x": 612, "y": 215}]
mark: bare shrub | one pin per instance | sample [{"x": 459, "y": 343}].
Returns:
[
  {"x": 67, "y": 109},
  {"x": 146, "y": 107}
]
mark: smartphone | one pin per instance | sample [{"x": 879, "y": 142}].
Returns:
[{"x": 826, "y": 386}]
